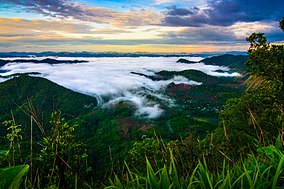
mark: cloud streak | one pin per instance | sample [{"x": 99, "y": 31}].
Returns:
[
  {"x": 204, "y": 35},
  {"x": 225, "y": 13},
  {"x": 65, "y": 9},
  {"x": 62, "y": 9}
]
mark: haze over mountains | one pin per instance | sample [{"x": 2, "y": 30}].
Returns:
[
  {"x": 110, "y": 54},
  {"x": 112, "y": 80}
]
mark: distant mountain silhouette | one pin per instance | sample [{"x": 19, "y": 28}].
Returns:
[{"x": 235, "y": 62}]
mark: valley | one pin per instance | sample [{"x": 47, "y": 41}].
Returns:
[{"x": 172, "y": 105}]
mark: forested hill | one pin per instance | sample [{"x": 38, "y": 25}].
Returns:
[
  {"x": 26, "y": 93},
  {"x": 46, "y": 60},
  {"x": 235, "y": 62},
  {"x": 114, "y": 129}
]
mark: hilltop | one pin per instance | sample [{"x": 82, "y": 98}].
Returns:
[
  {"x": 42, "y": 97},
  {"x": 46, "y": 60},
  {"x": 234, "y": 62}
]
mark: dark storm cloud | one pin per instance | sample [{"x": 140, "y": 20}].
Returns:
[
  {"x": 59, "y": 7},
  {"x": 175, "y": 11},
  {"x": 62, "y": 9},
  {"x": 226, "y": 13}
]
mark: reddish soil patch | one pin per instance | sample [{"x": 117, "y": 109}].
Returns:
[
  {"x": 128, "y": 124},
  {"x": 180, "y": 87}
]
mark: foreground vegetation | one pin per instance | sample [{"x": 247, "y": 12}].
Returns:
[
  {"x": 264, "y": 171},
  {"x": 95, "y": 148}
]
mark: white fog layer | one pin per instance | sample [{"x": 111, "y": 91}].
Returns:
[{"x": 110, "y": 79}]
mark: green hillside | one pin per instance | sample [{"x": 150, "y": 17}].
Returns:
[
  {"x": 235, "y": 62},
  {"x": 40, "y": 97},
  {"x": 195, "y": 75},
  {"x": 116, "y": 128}
]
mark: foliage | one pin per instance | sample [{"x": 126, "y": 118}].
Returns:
[
  {"x": 4, "y": 156},
  {"x": 39, "y": 97},
  {"x": 154, "y": 148},
  {"x": 61, "y": 154},
  {"x": 255, "y": 172},
  {"x": 158, "y": 152},
  {"x": 265, "y": 59},
  {"x": 14, "y": 136},
  {"x": 239, "y": 177},
  {"x": 257, "y": 114},
  {"x": 11, "y": 177},
  {"x": 281, "y": 24}
]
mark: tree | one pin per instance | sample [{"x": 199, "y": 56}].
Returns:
[
  {"x": 281, "y": 24},
  {"x": 259, "y": 112},
  {"x": 265, "y": 89}
]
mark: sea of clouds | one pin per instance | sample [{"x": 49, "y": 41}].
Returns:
[{"x": 110, "y": 79}]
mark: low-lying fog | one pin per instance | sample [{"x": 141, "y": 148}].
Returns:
[{"x": 110, "y": 79}]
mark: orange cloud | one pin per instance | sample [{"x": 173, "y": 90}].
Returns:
[{"x": 18, "y": 34}]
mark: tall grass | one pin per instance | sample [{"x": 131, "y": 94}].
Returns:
[{"x": 255, "y": 172}]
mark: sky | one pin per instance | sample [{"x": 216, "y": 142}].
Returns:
[{"x": 155, "y": 26}]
